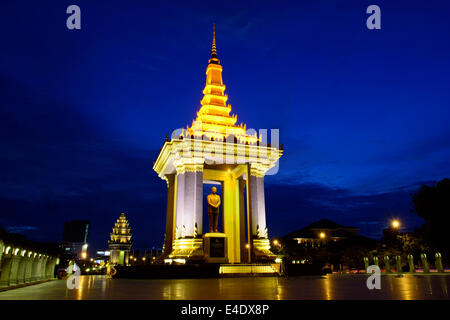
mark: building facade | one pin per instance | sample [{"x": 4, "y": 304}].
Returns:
[
  {"x": 25, "y": 262},
  {"x": 75, "y": 239},
  {"x": 321, "y": 232}
]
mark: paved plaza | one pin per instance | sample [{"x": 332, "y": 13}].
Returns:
[{"x": 330, "y": 287}]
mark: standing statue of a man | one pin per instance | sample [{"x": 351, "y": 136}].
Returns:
[{"x": 213, "y": 209}]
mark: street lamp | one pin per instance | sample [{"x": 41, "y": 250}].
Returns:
[
  {"x": 395, "y": 224},
  {"x": 275, "y": 242},
  {"x": 322, "y": 235}
]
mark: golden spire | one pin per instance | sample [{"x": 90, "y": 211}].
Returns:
[
  {"x": 214, "y": 58},
  {"x": 213, "y": 119}
]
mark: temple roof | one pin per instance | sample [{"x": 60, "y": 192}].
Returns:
[{"x": 213, "y": 119}]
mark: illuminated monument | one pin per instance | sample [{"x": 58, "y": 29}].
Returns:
[
  {"x": 214, "y": 150},
  {"x": 120, "y": 242}
]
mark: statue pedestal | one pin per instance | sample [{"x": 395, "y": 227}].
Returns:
[{"x": 215, "y": 247}]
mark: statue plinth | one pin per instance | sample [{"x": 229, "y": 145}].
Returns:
[{"x": 215, "y": 247}]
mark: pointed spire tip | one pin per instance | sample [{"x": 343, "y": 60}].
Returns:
[{"x": 214, "y": 58}]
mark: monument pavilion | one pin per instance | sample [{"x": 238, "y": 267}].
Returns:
[
  {"x": 215, "y": 150},
  {"x": 120, "y": 242}
]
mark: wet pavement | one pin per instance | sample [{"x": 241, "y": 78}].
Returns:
[{"x": 330, "y": 287}]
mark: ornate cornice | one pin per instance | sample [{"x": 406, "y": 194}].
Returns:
[{"x": 181, "y": 155}]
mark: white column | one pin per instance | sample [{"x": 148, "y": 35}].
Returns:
[
  {"x": 189, "y": 203},
  {"x": 194, "y": 202},
  {"x": 179, "y": 215},
  {"x": 258, "y": 205}
]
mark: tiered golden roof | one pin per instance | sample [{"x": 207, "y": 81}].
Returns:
[
  {"x": 121, "y": 231},
  {"x": 213, "y": 119}
]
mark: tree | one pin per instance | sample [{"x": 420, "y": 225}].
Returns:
[{"x": 432, "y": 203}]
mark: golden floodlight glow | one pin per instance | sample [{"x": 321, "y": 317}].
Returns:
[
  {"x": 213, "y": 119},
  {"x": 395, "y": 224},
  {"x": 83, "y": 255},
  {"x": 322, "y": 235},
  {"x": 275, "y": 242}
]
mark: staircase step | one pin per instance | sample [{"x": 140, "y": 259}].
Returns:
[{"x": 253, "y": 269}]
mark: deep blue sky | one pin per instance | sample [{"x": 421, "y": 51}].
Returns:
[{"x": 363, "y": 115}]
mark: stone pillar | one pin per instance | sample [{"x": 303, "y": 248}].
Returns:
[
  {"x": 426, "y": 268},
  {"x": 412, "y": 268},
  {"x": 28, "y": 267},
  {"x": 366, "y": 263},
  {"x": 439, "y": 265},
  {"x": 44, "y": 267},
  {"x": 2, "y": 248},
  {"x": 250, "y": 255},
  {"x": 170, "y": 215},
  {"x": 375, "y": 261},
  {"x": 50, "y": 271},
  {"x": 15, "y": 261},
  {"x": 398, "y": 261},
  {"x": 179, "y": 215},
  {"x": 259, "y": 229},
  {"x": 193, "y": 205},
  {"x": 241, "y": 201},
  {"x": 189, "y": 204},
  {"x": 231, "y": 219},
  {"x": 6, "y": 271},
  {"x": 127, "y": 257},
  {"x": 387, "y": 264},
  {"x": 38, "y": 268},
  {"x": 34, "y": 267},
  {"x": 21, "y": 269},
  {"x": 259, "y": 242}
]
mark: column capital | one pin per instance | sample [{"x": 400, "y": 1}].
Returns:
[
  {"x": 169, "y": 178},
  {"x": 182, "y": 166},
  {"x": 258, "y": 170}
]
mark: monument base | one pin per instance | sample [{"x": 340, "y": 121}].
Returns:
[
  {"x": 262, "y": 250},
  {"x": 187, "y": 249},
  {"x": 215, "y": 247}
]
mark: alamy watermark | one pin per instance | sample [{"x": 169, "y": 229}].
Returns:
[
  {"x": 374, "y": 20},
  {"x": 73, "y": 281},
  {"x": 254, "y": 147},
  {"x": 374, "y": 280}
]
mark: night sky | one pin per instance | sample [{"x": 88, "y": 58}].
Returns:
[{"x": 363, "y": 114}]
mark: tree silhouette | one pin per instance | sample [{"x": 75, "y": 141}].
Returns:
[{"x": 432, "y": 203}]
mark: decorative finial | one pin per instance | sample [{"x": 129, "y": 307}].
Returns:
[
  {"x": 214, "y": 58},
  {"x": 214, "y": 49}
]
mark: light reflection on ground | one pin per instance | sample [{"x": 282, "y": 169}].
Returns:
[{"x": 330, "y": 287}]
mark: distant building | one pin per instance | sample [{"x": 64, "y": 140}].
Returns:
[
  {"x": 25, "y": 262},
  {"x": 102, "y": 257},
  {"x": 75, "y": 238},
  {"x": 320, "y": 232},
  {"x": 120, "y": 242}
]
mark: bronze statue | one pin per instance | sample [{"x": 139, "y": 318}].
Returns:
[{"x": 213, "y": 209}]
